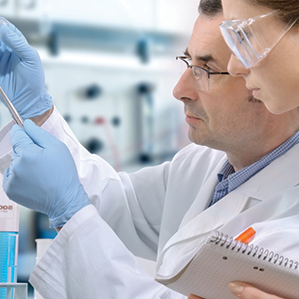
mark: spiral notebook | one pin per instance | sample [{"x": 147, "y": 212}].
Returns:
[{"x": 222, "y": 260}]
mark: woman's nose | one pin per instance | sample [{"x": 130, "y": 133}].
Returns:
[{"x": 236, "y": 68}]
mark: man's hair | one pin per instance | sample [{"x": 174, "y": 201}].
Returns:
[{"x": 210, "y": 8}]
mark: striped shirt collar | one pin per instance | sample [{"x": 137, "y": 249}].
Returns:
[{"x": 235, "y": 179}]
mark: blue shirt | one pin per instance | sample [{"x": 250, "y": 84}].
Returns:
[{"x": 229, "y": 179}]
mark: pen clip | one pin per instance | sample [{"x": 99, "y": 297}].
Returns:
[{"x": 16, "y": 116}]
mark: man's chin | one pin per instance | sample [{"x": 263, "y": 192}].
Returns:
[{"x": 199, "y": 140}]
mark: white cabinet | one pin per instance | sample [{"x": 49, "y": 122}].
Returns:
[
  {"x": 36, "y": 9},
  {"x": 176, "y": 16},
  {"x": 169, "y": 16},
  {"x": 7, "y": 8},
  {"x": 33, "y": 9},
  {"x": 129, "y": 14},
  {"x": 173, "y": 16}
]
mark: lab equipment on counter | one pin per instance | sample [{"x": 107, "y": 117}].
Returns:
[
  {"x": 9, "y": 234},
  {"x": 145, "y": 109},
  {"x": 15, "y": 290},
  {"x": 16, "y": 116}
]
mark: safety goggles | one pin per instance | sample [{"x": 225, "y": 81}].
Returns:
[{"x": 251, "y": 40}]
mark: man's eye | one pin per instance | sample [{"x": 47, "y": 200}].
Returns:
[
  {"x": 208, "y": 68},
  {"x": 242, "y": 34}
]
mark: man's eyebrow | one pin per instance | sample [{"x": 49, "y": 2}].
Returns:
[{"x": 205, "y": 58}]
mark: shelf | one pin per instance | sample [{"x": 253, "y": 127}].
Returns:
[{"x": 57, "y": 34}]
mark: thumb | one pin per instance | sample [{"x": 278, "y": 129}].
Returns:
[
  {"x": 16, "y": 41},
  {"x": 19, "y": 139},
  {"x": 245, "y": 291},
  {"x": 38, "y": 135}
]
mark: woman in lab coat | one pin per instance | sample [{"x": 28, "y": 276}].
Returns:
[
  {"x": 266, "y": 53},
  {"x": 266, "y": 49}
]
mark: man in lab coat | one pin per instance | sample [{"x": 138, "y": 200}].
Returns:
[{"x": 242, "y": 156}]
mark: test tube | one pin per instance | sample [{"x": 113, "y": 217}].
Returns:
[{"x": 9, "y": 236}]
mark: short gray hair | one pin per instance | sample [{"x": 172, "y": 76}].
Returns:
[{"x": 210, "y": 8}]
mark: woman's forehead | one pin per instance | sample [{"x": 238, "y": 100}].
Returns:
[{"x": 242, "y": 9}]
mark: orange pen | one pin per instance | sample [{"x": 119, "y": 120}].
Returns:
[{"x": 247, "y": 236}]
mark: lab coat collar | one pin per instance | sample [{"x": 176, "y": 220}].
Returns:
[{"x": 280, "y": 175}]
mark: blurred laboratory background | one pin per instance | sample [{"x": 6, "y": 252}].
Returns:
[{"x": 110, "y": 67}]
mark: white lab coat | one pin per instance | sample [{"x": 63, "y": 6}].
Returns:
[{"x": 158, "y": 213}]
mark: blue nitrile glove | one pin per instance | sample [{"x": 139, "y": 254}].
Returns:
[
  {"x": 21, "y": 73},
  {"x": 42, "y": 175}
]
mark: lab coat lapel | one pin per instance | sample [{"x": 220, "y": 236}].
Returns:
[
  {"x": 200, "y": 220},
  {"x": 198, "y": 223},
  {"x": 183, "y": 245},
  {"x": 280, "y": 175},
  {"x": 205, "y": 195},
  {"x": 210, "y": 219}
]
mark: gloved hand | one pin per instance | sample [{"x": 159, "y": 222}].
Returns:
[
  {"x": 21, "y": 73},
  {"x": 43, "y": 175}
]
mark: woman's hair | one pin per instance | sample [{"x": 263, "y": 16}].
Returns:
[{"x": 288, "y": 9}]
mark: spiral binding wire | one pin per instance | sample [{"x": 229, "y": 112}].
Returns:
[{"x": 254, "y": 251}]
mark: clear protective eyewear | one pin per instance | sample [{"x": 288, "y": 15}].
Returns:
[
  {"x": 200, "y": 74},
  {"x": 251, "y": 40}
]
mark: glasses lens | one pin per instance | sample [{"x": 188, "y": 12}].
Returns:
[
  {"x": 202, "y": 78},
  {"x": 181, "y": 66},
  {"x": 239, "y": 44},
  {"x": 198, "y": 74}
]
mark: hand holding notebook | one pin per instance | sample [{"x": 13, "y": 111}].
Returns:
[{"x": 221, "y": 260}]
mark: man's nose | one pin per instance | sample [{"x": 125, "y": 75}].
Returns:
[
  {"x": 186, "y": 87},
  {"x": 236, "y": 68}
]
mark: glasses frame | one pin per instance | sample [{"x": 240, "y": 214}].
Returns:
[
  {"x": 237, "y": 26},
  {"x": 192, "y": 67}
]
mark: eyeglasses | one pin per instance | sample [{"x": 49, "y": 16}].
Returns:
[
  {"x": 200, "y": 74},
  {"x": 251, "y": 40}
]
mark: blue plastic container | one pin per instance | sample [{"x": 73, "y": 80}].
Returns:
[{"x": 9, "y": 234}]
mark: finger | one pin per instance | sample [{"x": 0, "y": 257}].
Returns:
[
  {"x": 245, "y": 291},
  {"x": 194, "y": 297},
  {"x": 19, "y": 139},
  {"x": 38, "y": 135},
  {"x": 16, "y": 41},
  {"x": 6, "y": 180},
  {"x": 6, "y": 175},
  {"x": 11, "y": 26}
]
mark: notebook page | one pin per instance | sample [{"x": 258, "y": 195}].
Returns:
[{"x": 215, "y": 266}]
